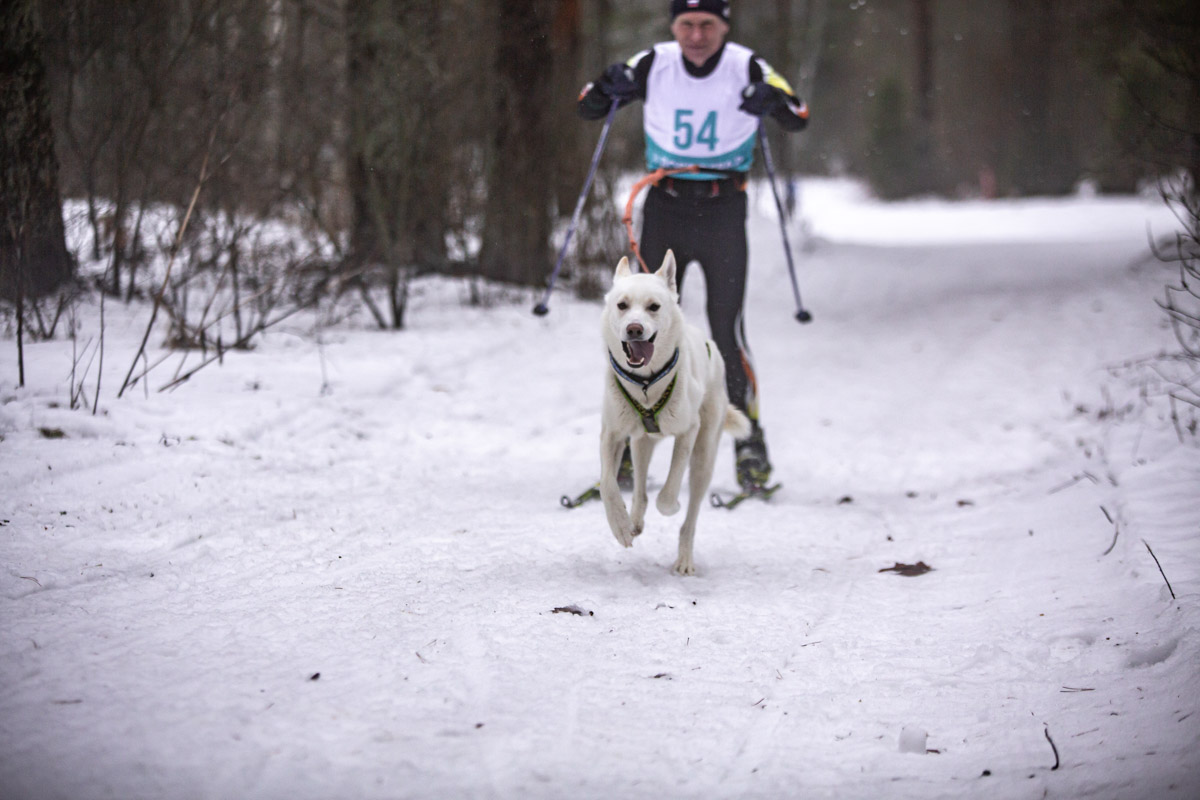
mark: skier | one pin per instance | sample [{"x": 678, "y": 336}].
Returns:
[{"x": 702, "y": 99}]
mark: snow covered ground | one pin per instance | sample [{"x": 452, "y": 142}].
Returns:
[{"x": 329, "y": 568}]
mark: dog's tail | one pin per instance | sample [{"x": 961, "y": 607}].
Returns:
[{"x": 736, "y": 422}]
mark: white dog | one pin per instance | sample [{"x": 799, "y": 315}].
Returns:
[{"x": 667, "y": 380}]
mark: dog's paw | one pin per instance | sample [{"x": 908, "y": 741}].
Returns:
[
  {"x": 639, "y": 519},
  {"x": 667, "y": 505},
  {"x": 684, "y": 566},
  {"x": 624, "y": 533},
  {"x": 619, "y": 522}
]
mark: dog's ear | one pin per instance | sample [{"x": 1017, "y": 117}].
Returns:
[
  {"x": 622, "y": 269},
  {"x": 667, "y": 271}
]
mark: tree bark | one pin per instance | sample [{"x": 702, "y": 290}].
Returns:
[
  {"x": 570, "y": 155},
  {"x": 923, "y": 134},
  {"x": 399, "y": 144},
  {"x": 782, "y": 60},
  {"x": 1041, "y": 160},
  {"x": 33, "y": 254},
  {"x": 516, "y": 239}
]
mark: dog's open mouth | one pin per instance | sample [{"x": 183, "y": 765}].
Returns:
[{"x": 639, "y": 353}]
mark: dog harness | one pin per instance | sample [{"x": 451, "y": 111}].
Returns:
[
  {"x": 645, "y": 383},
  {"x": 648, "y": 416}
]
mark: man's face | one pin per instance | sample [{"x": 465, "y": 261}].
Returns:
[{"x": 700, "y": 34}]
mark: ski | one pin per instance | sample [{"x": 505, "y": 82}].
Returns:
[
  {"x": 575, "y": 502},
  {"x": 763, "y": 493}
]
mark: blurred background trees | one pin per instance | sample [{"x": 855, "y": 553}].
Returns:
[
  {"x": 413, "y": 136},
  {"x": 33, "y": 253}
]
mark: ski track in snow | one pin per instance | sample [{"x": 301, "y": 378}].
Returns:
[{"x": 250, "y": 587}]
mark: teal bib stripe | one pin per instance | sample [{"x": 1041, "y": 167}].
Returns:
[{"x": 696, "y": 120}]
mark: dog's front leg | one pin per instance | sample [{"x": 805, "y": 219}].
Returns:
[
  {"x": 641, "y": 448},
  {"x": 668, "y": 496},
  {"x": 704, "y": 457},
  {"x": 611, "y": 448}
]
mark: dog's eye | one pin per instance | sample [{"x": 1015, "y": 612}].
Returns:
[
  {"x": 652, "y": 307},
  {"x": 623, "y": 306}
]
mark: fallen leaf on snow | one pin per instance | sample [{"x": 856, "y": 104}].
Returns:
[
  {"x": 576, "y": 610},
  {"x": 909, "y": 570}
]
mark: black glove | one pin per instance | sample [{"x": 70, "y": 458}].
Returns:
[
  {"x": 617, "y": 83},
  {"x": 760, "y": 98}
]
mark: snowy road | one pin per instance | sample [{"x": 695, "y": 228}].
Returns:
[{"x": 253, "y": 588}]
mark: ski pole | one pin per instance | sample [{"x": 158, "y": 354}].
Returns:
[
  {"x": 543, "y": 308},
  {"x": 802, "y": 314}
]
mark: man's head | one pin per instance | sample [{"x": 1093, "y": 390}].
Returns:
[{"x": 700, "y": 27}]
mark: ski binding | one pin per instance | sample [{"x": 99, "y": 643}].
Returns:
[
  {"x": 575, "y": 502},
  {"x": 763, "y": 493}
]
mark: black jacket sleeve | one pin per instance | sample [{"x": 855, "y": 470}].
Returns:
[{"x": 793, "y": 116}]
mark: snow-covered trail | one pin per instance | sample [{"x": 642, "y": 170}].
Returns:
[{"x": 253, "y": 588}]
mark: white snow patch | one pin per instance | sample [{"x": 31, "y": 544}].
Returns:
[{"x": 330, "y": 567}]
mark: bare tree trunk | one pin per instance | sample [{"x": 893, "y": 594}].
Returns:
[
  {"x": 1042, "y": 160},
  {"x": 814, "y": 19},
  {"x": 923, "y": 22},
  {"x": 781, "y": 59},
  {"x": 570, "y": 156},
  {"x": 398, "y": 141},
  {"x": 604, "y": 25},
  {"x": 33, "y": 253},
  {"x": 1193, "y": 156},
  {"x": 516, "y": 239},
  {"x": 20, "y": 335}
]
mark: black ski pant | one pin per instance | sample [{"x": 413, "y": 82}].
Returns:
[{"x": 705, "y": 221}]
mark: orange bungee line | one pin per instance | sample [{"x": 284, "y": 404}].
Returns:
[{"x": 654, "y": 178}]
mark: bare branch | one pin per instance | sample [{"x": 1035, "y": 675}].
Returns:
[
  {"x": 1160, "y": 569},
  {"x": 174, "y": 251}
]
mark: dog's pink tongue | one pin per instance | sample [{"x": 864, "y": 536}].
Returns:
[{"x": 641, "y": 351}]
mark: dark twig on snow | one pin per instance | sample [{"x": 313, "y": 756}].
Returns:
[
  {"x": 240, "y": 343},
  {"x": 1160, "y": 569},
  {"x": 1084, "y": 476},
  {"x": 1175, "y": 419},
  {"x": 573, "y": 609},
  {"x": 1116, "y": 530},
  {"x": 1046, "y": 730}
]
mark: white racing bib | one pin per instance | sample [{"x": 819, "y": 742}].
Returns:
[{"x": 696, "y": 120}]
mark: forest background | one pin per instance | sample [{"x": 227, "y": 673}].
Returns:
[{"x": 408, "y": 137}]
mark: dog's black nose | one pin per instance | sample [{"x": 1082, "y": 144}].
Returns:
[{"x": 635, "y": 331}]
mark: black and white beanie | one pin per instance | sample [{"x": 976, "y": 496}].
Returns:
[{"x": 718, "y": 7}]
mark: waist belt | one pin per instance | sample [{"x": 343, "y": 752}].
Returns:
[{"x": 700, "y": 190}]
